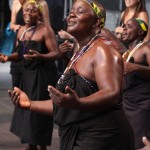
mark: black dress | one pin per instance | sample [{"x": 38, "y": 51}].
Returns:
[
  {"x": 81, "y": 130},
  {"x": 136, "y": 102},
  {"x": 32, "y": 127},
  {"x": 15, "y": 67}
]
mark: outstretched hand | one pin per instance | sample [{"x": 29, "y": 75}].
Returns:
[
  {"x": 19, "y": 98},
  {"x": 69, "y": 100}
]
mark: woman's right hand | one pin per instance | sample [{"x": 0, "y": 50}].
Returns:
[
  {"x": 3, "y": 58},
  {"x": 19, "y": 98}
]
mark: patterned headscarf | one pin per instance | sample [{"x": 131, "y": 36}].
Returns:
[
  {"x": 142, "y": 24},
  {"x": 97, "y": 11}
]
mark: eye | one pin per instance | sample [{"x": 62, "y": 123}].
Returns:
[{"x": 81, "y": 11}]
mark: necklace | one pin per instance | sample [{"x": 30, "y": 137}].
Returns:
[
  {"x": 77, "y": 56},
  {"x": 127, "y": 55},
  {"x": 26, "y": 30},
  {"x": 24, "y": 42}
]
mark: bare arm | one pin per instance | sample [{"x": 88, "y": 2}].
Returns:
[
  {"x": 50, "y": 42},
  {"x": 15, "y": 7},
  {"x": 45, "y": 15},
  {"x": 21, "y": 100},
  {"x": 141, "y": 69},
  {"x": 108, "y": 72}
]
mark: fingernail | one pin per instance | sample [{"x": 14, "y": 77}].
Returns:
[{"x": 144, "y": 138}]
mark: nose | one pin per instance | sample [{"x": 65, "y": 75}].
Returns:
[{"x": 72, "y": 13}]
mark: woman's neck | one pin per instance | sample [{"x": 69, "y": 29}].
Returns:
[
  {"x": 83, "y": 41},
  {"x": 134, "y": 44}
]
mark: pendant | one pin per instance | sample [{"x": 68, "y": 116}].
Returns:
[{"x": 61, "y": 79}]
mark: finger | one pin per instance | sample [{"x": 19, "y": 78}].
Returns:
[
  {"x": 52, "y": 90},
  {"x": 145, "y": 141},
  {"x": 10, "y": 93},
  {"x": 15, "y": 97},
  {"x": 17, "y": 100},
  {"x": 56, "y": 95},
  {"x": 16, "y": 89},
  {"x": 69, "y": 90}
]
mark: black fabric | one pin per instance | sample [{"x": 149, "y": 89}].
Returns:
[
  {"x": 15, "y": 67},
  {"x": 136, "y": 102},
  {"x": 32, "y": 127},
  {"x": 81, "y": 130}
]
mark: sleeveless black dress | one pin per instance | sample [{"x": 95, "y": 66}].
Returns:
[
  {"x": 82, "y": 130},
  {"x": 32, "y": 127},
  {"x": 136, "y": 102}
]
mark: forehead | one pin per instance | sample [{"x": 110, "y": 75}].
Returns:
[
  {"x": 82, "y": 4},
  {"x": 132, "y": 22},
  {"x": 31, "y": 6}
]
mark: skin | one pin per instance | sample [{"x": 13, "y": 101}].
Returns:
[
  {"x": 134, "y": 34},
  {"x": 102, "y": 57},
  {"x": 17, "y": 4},
  {"x": 132, "y": 5},
  {"x": 31, "y": 15},
  {"x": 146, "y": 143}
]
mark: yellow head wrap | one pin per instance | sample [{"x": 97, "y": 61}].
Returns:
[
  {"x": 141, "y": 23},
  {"x": 37, "y": 5},
  {"x": 97, "y": 11}
]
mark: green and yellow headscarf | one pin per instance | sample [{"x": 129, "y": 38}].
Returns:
[
  {"x": 142, "y": 24},
  {"x": 97, "y": 11}
]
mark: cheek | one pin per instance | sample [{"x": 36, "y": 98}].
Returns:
[{"x": 130, "y": 3}]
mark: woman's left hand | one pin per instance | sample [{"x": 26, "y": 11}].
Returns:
[
  {"x": 70, "y": 100},
  {"x": 32, "y": 55}
]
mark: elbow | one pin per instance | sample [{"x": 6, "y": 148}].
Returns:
[{"x": 113, "y": 96}]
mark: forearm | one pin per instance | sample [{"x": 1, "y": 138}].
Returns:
[
  {"x": 44, "y": 107},
  {"x": 51, "y": 55},
  {"x": 99, "y": 101},
  {"x": 13, "y": 57},
  {"x": 143, "y": 70}
]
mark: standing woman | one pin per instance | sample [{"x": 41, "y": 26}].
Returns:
[
  {"x": 135, "y": 9},
  {"x": 16, "y": 22},
  {"x": 36, "y": 49}
]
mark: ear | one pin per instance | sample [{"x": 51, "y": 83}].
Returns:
[
  {"x": 97, "y": 23},
  {"x": 141, "y": 32}
]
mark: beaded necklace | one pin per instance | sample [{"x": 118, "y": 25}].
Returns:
[
  {"x": 26, "y": 30},
  {"x": 77, "y": 56},
  {"x": 24, "y": 44},
  {"x": 127, "y": 55}
]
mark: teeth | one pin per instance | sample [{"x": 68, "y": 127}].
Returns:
[
  {"x": 27, "y": 18},
  {"x": 71, "y": 23}
]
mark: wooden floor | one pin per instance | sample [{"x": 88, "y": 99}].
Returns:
[{"x": 9, "y": 141}]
